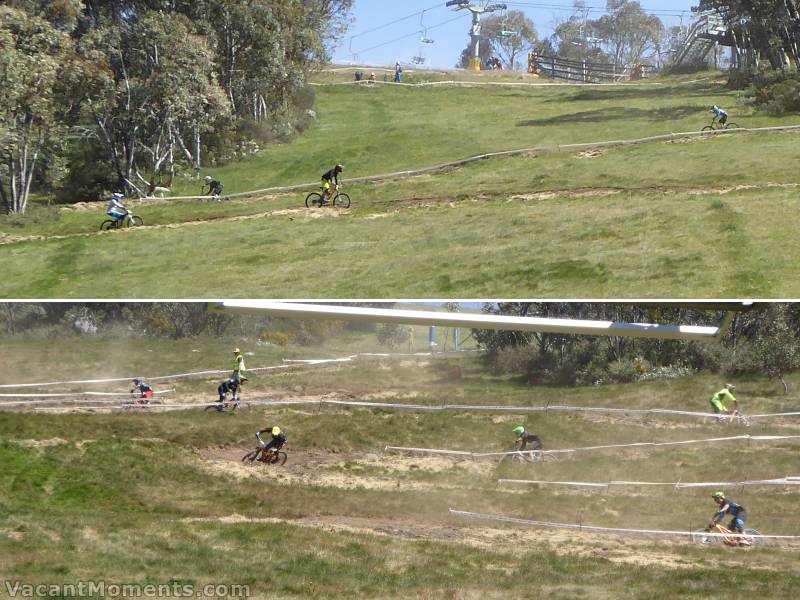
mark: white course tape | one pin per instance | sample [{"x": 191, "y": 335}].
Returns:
[
  {"x": 477, "y": 515},
  {"x": 765, "y": 438},
  {"x": 503, "y": 153},
  {"x": 289, "y": 363},
  {"x": 785, "y": 481},
  {"x": 76, "y": 394}
]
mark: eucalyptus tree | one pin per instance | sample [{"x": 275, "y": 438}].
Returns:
[{"x": 35, "y": 58}]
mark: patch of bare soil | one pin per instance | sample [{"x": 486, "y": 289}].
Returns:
[
  {"x": 340, "y": 470},
  {"x": 690, "y": 140},
  {"x": 41, "y": 443},
  {"x": 593, "y": 153},
  {"x": 576, "y": 193}
]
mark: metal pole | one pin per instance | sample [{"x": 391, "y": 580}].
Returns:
[
  {"x": 432, "y": 339},
  {"x": 475, "y": 63}
]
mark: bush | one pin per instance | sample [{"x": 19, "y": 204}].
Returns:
[{"x": 783, "y": 97}]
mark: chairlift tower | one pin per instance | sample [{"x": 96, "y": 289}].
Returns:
[{"x": 475, "y": 32}]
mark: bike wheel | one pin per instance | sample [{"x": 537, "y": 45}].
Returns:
[
  {"x": 549, "y": 457},
  {"x": 732, "y": 126},
  {"x": 313, "y": 199},
  {"x": 755, "y": 541},
  {"x": 342, "y": 200},
  {"x": 278, "y": 458},
  {"x": 701, "y": 537},
  {"x": 707, "y": 128},
  {"x": 135, "y": 221},
  {"x": 107, "y": 225},
  {"x": 251, "y": 456}
]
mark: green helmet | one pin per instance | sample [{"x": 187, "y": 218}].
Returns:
[
  {"x": 519, "y": 430},
  {"x": 718, "y": 496}
]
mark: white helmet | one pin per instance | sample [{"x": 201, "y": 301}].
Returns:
[
  {"x": 207, "y": 178},
  {"x": 730, "y": 386}
]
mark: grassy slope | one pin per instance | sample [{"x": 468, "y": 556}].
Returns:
[
  {"x": 590, "y": 246},
  {"x": 121, "y": 487}
]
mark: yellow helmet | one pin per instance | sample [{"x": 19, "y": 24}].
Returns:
[{"x": 276, "y": 431}]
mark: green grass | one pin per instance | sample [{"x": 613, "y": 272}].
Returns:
[
  {"x": 474, "y": 231},
  {"x": 132, "y": 497}
]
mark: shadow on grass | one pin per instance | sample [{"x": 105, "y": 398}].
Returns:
[{"x": 617, "y": 114}]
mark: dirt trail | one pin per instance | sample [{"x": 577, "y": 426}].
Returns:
[
  {"x": 621, "y": 550},
  {"x": 343, "y": 470},
  {"x": 397, "y": 206}
]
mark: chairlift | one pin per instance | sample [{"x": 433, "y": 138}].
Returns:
[{"x": 505, "y": 32}]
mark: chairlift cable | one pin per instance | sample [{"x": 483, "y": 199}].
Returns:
[{"x": 414, "y": 33}]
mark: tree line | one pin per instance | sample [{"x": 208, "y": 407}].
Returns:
[
  {"x": 625, "y": 36},
  {"x": 118, "y": 94},
  {"x": 765, "y": 340}
]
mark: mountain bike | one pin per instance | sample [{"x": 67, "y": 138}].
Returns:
[
  {"x": 129, "y": 220},
  {"x": 732, "y": 416},
  {"x": 339, "y": 199},
  {"x": 230, "y": 405},
  {"x": 273, "y": 456},
  {"x": 137, "y": 401},
  {"x": 529, "y": 456},
  {"x": 714, "y": 126},
  {"x": 728, "y": 537}
]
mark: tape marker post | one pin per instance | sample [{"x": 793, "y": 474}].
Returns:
[{"x": 621, "y": 530}]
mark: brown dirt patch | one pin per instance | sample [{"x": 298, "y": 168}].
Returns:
[{"x": 594, "y": 153}]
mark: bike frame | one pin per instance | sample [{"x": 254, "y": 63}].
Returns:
[{"x": 735, "y": 539}]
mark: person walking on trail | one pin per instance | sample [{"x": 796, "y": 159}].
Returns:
[
  {"x": 718, "y": 400},
  {"x": 214, "y": 186},
  {"x": 115, "y": 208},
  {"x": 398, "y": 72},
  {"x": 238, "y": 366},
  {"x": 524, "y": 439},
  {"x": 719, "y": 114}
]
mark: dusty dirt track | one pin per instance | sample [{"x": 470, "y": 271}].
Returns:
[{"x": 386, "y": 472}]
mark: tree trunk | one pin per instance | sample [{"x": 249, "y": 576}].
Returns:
[
  {"x": 6, "y": 207},
  {"x": 785, "y": 385}
]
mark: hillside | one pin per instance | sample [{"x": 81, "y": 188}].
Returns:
[
  {"x": 698, "y": 213},
  {"x": 161, "y": 495}
]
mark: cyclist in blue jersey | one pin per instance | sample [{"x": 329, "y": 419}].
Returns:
[
  {"x": 115, "y": 208},
  {"x": 719, "y": 114},
  {"x": 729, "y": 507}
]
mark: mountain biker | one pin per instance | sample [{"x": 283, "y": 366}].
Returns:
[
  {"x": 214, "y": 186},
  {"x": 718, "y": 400},
  {"x": 238, "y": 366},
  {"x": 115, "y": 209},
  {"x": 524, "y": 438},
  {"x": 277, "y": 441},
  {"x": 229, "y": 385},
  {"x": 331, "y": 176},
  {"x": 145, "y": 390},
  {"x": 728, "y": 506},
  {"x": 719, "y": 114}
]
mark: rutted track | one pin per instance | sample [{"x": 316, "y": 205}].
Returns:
[{"x": 412, "y": 203}]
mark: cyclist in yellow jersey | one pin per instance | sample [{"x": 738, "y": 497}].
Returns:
[{"x": 718, "y": 400}]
